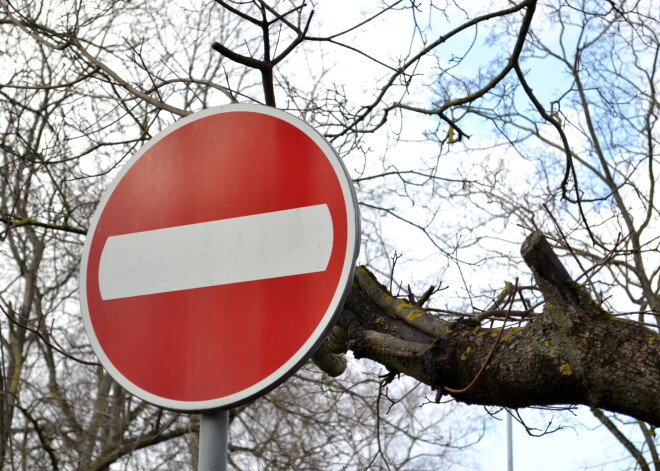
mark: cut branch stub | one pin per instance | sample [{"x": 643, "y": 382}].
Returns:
[
  {"x": 565, "y": 300},
  {"x": 549, "y": 273}
]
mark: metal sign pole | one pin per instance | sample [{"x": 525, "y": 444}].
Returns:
[
  {"x": 509, "y": 441},
  {"x": 213, "y": 440}
]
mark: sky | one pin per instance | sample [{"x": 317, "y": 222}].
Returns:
[{"x": 581, "y": 445}]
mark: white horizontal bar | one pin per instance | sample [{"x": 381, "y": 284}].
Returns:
[{"x": 270, "y": 245}]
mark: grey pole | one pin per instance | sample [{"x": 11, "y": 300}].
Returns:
[
  {"x": 213, "y": 440},
  {"x": 509, "y": 441}
]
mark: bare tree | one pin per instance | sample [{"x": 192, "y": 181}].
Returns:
[{"x": 85, "y": 84}]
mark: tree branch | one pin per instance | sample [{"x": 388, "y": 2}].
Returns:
[
  {"x": 614, "y": 430},
  {"x": 573, "y": 353}
]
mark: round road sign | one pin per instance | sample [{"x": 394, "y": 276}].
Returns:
[{"x": 218, "y": 258}]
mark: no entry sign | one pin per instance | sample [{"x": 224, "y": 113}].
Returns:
[{"x": 216, "y": 261}]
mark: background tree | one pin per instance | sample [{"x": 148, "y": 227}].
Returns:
[{"x": 438, "y": 133}]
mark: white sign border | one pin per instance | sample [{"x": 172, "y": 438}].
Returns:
[{"x": 312, "y": 343}]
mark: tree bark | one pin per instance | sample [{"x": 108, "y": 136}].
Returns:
[{"x": 573, "y": 353}]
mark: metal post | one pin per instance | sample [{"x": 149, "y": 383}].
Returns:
[
  {"x": 213, "y": 439},
  {"x": 509, "y": 441}
]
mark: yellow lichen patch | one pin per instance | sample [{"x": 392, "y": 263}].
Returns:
[
  {"x": 402, "y": 306},
  {"x": 466, "y": 353},
  {"x": 513, "y": 331},
  {"x": 547, "y": 343},
  {"x": 566, "y": 369},
  {"x": 414, "y": 315}
]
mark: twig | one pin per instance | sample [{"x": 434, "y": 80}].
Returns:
[
  {"x": 395, "y": 258},
  {"x": 570, "y": 249},
  {"x": 609, "y": 256},
  {"x": 40, "y": 334},
  {"x": 492, "y": 350},
  {"x": 170, "y": 422}
]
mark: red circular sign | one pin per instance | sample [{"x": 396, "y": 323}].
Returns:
[{"x": 216, "y": 261}]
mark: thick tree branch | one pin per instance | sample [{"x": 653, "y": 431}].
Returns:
[{"x": 574, "y": 353}]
